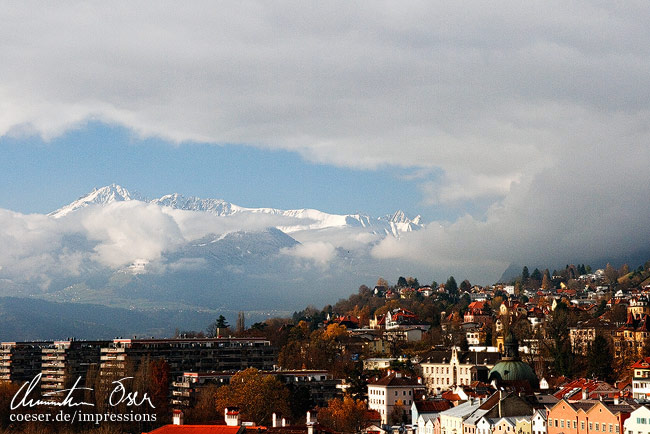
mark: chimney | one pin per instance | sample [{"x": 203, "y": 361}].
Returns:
[
  {"x": 617, "y": 399},
  {"x": 585, "y": 395},
  {"x": 232, "y": 416},
  {"x": 285, "y": 422},
  {"x": 311, "y": 416},
  {"x": 274, "y": 422},
  {"x": 177, "y": 417}
]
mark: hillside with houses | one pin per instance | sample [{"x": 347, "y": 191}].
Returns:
[{"x": 556, "y": 352}]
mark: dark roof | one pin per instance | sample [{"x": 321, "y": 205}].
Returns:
[
  {"x": 393, "y": 380},
  {"x": 432, "y": 406}
]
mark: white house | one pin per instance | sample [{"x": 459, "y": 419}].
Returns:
[
  {"x": 390, "y": 392},
  {"x": 425, "y": 413},
  {"x": 538, "y": 425},
  {"x": 638, "y": 422},
  {"x": 486, "y": 425}
]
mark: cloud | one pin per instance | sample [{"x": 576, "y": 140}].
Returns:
[
  {"x": 541, "y": 110},
  {"x": 487, "y": 94},
  {"x": 129, "y": 231},
  {"x": 582, "y": 211},
  {"x": 320, "y": 253}
]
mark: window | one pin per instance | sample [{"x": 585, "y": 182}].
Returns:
[
  {"x": 562, "y": 423},
  {"x": 582, "y": 425},
  {"x": 575, "y": 424},
  {"x": 591, "y": 426}
]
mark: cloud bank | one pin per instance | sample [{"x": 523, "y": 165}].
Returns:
[{"x": 539, "y": 109}]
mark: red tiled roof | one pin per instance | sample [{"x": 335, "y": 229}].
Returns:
[
  {"x": 197, "y": 429},
  {"x": 450, "y": 396},
  {"x": 642, "y": 364}
]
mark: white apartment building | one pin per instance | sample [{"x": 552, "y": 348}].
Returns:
[
  {"x": 443, "y": 370},
  {"x": 392, "y": 391}
]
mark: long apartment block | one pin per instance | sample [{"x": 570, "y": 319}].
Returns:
[
  {"x": 21, "y": 361},
  {"x": 191, "y": 354},
  {"x": 62, "y": 362}
]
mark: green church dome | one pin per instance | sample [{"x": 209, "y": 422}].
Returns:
[{"x": 511, "y": 368}]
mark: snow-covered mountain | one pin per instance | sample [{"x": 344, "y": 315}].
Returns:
[
  {"x": 99, "y": 196},
  {"x": 305, "y": 219},
  {"x": 124, "y": 250}
]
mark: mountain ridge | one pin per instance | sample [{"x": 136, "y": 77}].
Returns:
[{"x": 310, "y": 219}]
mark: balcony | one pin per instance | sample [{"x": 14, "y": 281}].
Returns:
[
  {"x": 184, "y": 384},
  {"x": 112, "y": 350},
  {"x": 52, "y": 357}
]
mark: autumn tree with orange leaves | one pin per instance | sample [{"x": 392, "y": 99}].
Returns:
[
  {"x": 346, "y": 415},
  {"x": 258, "y": 396}
]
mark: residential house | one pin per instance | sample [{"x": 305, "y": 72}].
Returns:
[
  {"x": 424, "y": 414},
  {"x": 588, "y": 417},
  {"x": 538, "y": 421},
  {"x": 451, "y": 421},
  {"x": 631, "y": 337},
  {"x": 584, "y": 333},
  {"x": 641, "y": 379},
  {"x": 392, "y": 394},
  {"x": 638, "y": 422}
]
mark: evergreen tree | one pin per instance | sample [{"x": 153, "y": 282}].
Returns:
[
  {"x": 451, "y": 286},
  {"x": 525, "y": 275},
  {"x": 537, "y": 275},
  {"x": 600, "y": 360},
  {"x": 401, "y": 282}
]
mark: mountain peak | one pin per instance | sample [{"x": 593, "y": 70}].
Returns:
[{"x": 99, "y": 196}]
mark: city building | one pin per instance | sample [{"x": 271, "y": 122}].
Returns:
[
  {"x": 392, "y": 396},
  {"x": 191, "y": 354},
  {"x": 641, "y": 379},
  {"x": 443, "y": 370},
  {"x": 20, "y": 361},
  {"x": 638, "y": 422},
  {"x": 65, "y": 362}
]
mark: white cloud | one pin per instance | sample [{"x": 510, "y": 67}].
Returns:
[
  {"x": 540, "y": 108},
  {"x": 320, "y": 253},
  {"x": 129, "y": 231},
  {"x": 488, "y": 94}
]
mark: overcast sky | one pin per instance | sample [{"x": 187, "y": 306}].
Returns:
[{"x": 520, "y": 131}]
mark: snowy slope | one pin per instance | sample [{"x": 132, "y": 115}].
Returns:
[
  {"x": 99, "y": 196},
  {"x": 307, "y": 219}
]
